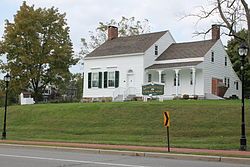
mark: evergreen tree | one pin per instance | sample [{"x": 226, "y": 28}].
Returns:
[{"x": 232, "y": 50}]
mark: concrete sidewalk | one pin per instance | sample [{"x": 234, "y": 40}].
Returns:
[{"x": 230, "y": 156}]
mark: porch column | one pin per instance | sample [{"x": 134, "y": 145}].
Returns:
[
  {"x": 177, "y": 81},
  {"x": 159, "y": 72},
  {"x": 194, "y": 79},
  {"x": 145, "y": 77}
]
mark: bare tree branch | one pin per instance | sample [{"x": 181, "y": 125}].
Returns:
[
  {"x": 247, "y": 10},
  {"x": 229, "y": 14},
  {"x": 229, "y": 6}
]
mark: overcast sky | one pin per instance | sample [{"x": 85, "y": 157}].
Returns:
[{"x": 84, "y": 15}]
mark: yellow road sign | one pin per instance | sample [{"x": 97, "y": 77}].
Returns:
[{"x": 166, "y": 119}]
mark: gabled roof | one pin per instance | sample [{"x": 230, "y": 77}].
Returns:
[
  {"x": 127, "y": 45},
  {"x": 171, "y": 65},
  {"x": 186, "y": 50}
]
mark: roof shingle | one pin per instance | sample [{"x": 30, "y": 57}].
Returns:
[
  {"x": 127, "y": 45},
  {"x": 186, "y": 50}
]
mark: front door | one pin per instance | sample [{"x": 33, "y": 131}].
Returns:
[{"x": 130, "y": 81}]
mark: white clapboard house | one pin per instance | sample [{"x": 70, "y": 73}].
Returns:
[{"x": 122, "y": 65}]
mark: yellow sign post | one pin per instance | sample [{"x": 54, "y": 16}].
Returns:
[
  {"x": 167, "y": 124},
  {"x": 166, "y": 119}
]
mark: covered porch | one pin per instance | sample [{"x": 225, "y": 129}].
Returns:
[{"x": 178, "y": 78}]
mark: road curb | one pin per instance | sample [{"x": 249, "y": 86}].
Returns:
[
  {"x": 184, "y": 156},
  {"x": 236, "y": 160},
  {"x": 140, "y": 154}
]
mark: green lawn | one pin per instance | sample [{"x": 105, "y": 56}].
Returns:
[{"x": 194, "y": 124}]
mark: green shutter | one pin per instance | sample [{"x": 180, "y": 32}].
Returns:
[
  {"x": 105, "y": 79},
  {"x": 100, "y": 80},
  {"x": 116, "y": 79},
  {"x": 89, "y": 80}
]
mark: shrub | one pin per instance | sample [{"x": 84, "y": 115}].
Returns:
[{"x": 185, "y": 96}]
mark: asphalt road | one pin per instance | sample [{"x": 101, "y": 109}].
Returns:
[{"x": 43, "y": 157}]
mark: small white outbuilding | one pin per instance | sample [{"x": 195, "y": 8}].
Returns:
[{"x": 25, "y": 98}]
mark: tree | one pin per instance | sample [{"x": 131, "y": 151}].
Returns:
[
  {"x": 38, "y": 49},
  {"x": 126, "y": 27},
  {"x": 232, "y": 15},
  {"x": 72, "y": 87},
  {"x": 78, "y": 83},
  {"x": 232, "y": 51}
]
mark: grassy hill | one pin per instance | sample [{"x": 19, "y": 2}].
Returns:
[{"x": 194, "y": 124}]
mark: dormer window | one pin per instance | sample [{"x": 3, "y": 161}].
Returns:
[
  {"x": 212, "y": 56},
  {"x": 156, "y": 50}
]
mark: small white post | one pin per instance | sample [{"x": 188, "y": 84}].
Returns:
[
  {"x": 194, "y": 79},
  {"x": 159, "y": 72}
]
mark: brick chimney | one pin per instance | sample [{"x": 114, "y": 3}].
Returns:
[
  {"x": 215, "y": 32},
  {"x": 112, "y": 32}
]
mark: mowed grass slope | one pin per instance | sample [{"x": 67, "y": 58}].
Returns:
[{"x": 194, "y": 124}]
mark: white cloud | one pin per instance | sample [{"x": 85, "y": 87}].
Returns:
[{"x": 84, "y": 15}]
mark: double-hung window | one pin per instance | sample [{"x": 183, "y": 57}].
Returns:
[
  {"x": 163, "y": 78},
  {"x": 149, "y": 77},
  {"x": 212, "y": 56},
  {"x": 227, "y": 81},
  {"x": 156, "y": 50},
  {"x": 191, "y": 78},
  {"x": 95, "y": 79},
  {"x": 175, "y": 80},
  {"x": 236, "y": 85},
  {"x": 111, "y": 79}
]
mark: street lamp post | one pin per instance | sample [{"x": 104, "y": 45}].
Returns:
[
  {"x": 243, "y": 49},
  {"x": 7, "y": 80}
]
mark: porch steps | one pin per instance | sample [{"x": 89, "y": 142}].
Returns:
[
  {"x": 118, "y": 98},
  {"x": 130, "y": 97}
]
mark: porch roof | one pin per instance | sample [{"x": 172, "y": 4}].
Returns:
[{"x": 171, "y": 65}]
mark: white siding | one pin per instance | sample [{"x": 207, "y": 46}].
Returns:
[
  {"x": 122, "y": 64},
  {"x": 217, "y": 69},
  {"x": 185, "y": 86},
  {"x": 149, "y": 59},
  {"x": 163, "y": 43}
]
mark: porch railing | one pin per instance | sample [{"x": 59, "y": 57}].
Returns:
[{"x": 119, "y": 92}]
